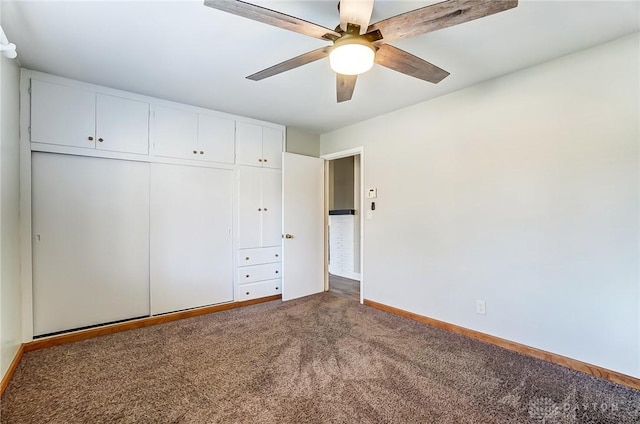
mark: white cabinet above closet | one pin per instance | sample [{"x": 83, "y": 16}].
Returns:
[
  {"x": 259, "y": 146},
  {"x": 71, "y": 116},
  {"x": 185, "y": 134}
]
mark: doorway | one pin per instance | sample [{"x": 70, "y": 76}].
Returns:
[{"x": 344, "y": 224}]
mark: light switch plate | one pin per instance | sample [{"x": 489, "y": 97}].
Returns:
[{"x": 372, "y": 193}]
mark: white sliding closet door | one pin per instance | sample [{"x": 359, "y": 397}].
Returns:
[
  {"x": 91, "y": 241},
  {"x": 191, "y": 242}
]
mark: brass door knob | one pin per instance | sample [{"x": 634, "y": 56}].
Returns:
[{"x": 288, "y": 236}]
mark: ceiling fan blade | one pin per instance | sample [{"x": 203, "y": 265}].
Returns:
[
  {"x": 287, "y": 65},
  {"x": 357, "y": 12},
  {"x": 438, "y": 16},
  {"x": 271, "y": 17},
  {"x": 406, "y": 63},
  {"x": 345, "y": 85}
]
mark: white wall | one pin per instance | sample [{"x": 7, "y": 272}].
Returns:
[
  {"x": 10, "y": 313},
  {"x": 522, "y": 191},
  {"x": 302, "y": 143}
]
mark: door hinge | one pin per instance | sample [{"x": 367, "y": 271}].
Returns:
[{"x": 29, "y": 129}]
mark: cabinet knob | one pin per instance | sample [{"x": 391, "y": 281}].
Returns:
[
  {"x": 202, "y": 152},
  {"x": 195, "y": 152},
  {"x": 276, "y": 288},
  {"x": 247, "y": 275},
  {"x": 246, "y": 259},
  {"x": 259, "y": 209},
  {"x": 259, "y": 160},
  {"x": 276, "y": 255},
  {"x": 247, "y": 293},
  {"x": 100, "y": 139},
  {"x": 90, "y": 138},
  {"x": 264, "y": 160},
  {"x": 277, "y": 272},
  {"x": 265, "y": 209}
]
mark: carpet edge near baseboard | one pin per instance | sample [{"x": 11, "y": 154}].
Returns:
[
  {"x": 120, "y": 327},
  {"x": 573, "y": 364},
  {"x": 6, "y": 379}
]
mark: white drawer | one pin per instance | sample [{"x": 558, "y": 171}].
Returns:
[
  {"x": 261, "y": 255},
  {"x": 251, "y": 274},
  {"x": 261, "y": 289}
]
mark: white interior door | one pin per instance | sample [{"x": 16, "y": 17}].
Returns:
[{"x": 303, "y": 224}]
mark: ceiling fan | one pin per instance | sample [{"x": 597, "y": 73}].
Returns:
[{"x": 357, "y": 44}]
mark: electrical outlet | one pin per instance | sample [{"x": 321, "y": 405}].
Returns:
[{"x": 481, "y": 307}]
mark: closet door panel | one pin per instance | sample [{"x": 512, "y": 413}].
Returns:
[
  {"x": 91, "y": 241},
  {"x": 216, "y": 139},
  {"x": 248, "y": 144},
  {"x": 62, "y": 115},
  {"x": 191, "y": 242},
  {"x": 272, "y": 201},
  {"x": 122, "y": 125},
  {"x": 249, "y": 208},
  {"x": 175, "y": 133},
  {"x": 272, "y": 148}
]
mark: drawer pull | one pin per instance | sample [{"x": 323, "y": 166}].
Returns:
[
  {"x": 246, "y": 259},
  {"x": 276, "y": 288},
  {"x": 277, "y": 272},
  {"x": 247, "y": 293},
  {"x": 276, "y": 255},
  {"x": 247, "y": 275}
]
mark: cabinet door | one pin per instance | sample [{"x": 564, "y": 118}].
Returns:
[
  {"x": 272, "y": 208},
  {"x": 62, "y": 115},
  {"x": 216, "y": 139},
  {"x": 272, "y": 148},
  {"x": 91, "y": 241},
  {"x": 248, "y": 144},
  {"x": 175, "y": 133},
  {"x": 249, "y": 208},
  {"x": 191, "y": 243},
  {"x": 122, "y": 125}
]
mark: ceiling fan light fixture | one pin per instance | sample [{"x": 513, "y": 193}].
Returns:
[{"x": 352, "y": 56}]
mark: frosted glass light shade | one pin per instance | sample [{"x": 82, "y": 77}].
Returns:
[{"x": 351, "y": 58}]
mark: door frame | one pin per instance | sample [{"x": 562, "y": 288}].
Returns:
[{"x": 339, "y": 155}]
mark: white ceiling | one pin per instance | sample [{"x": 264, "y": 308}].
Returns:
[{"x": 186, "y": 52}]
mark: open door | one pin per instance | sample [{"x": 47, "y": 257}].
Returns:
[{"x": 303, "y": 226}]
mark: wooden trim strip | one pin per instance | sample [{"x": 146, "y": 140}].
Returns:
[
  {"x": 554, "y": 358},
  {"x": 12, "y": 369},
  {"x": 138, "y": 323}
]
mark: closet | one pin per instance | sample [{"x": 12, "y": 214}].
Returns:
[{"x": 142, "y": 206}]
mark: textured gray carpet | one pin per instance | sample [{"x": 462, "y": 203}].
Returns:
[{"x": 321, "y": 359}]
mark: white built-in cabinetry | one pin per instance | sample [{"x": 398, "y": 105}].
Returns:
[
  {"x": 190, "y": 135},
  {"x": 77, "y": 117},
  {"x": 259, "y": 146},
  {"x": 259, "y": 232},
  {"x": 133, "y": 203}
]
